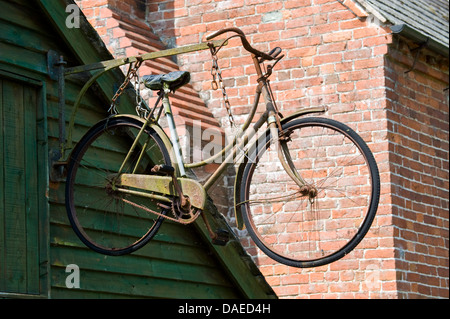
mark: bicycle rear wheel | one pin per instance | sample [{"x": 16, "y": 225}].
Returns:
[
  {"x": 103, "y": 218},
  {"x": 316, "y": 225}
]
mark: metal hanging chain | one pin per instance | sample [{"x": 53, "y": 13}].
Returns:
[
  {"x": 216, "y": 72},
  {"x": 140, "y": 109},
  {"x": 132, "y": 73}
]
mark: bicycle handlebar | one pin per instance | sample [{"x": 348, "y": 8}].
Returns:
[{"x": 245, "y": 42}]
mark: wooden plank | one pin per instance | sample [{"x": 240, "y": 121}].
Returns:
[
  {"x": 26, "y": 38},
  {"x": 171, "y": 250},
  {"x": 135, "y": 286},
  {"x": 19, "y": 202},
  {"x": 20, "y": 15},
  {"x": 2, "y": 196},
  {"x": 31, "y": 189},
  {"x": 15, "y": 55},
  {"x": 43, "y": 186},
  {"x": 170, "y": 233},
  {"x": 15, "y": 222},
  {"x": 140, "y": 266}
]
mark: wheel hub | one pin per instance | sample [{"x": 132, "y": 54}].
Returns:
[{"x": 310, "y": 191}]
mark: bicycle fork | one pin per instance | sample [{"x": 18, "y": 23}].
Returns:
[
  {"x": 280, "y": 140},
  {"x": 285, "y": 159}
]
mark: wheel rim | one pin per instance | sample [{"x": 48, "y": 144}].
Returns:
[
  {"x": 300, "y": 227},
  {"x": 99, "y": 216}
]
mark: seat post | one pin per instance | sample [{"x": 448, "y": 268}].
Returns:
[{"x": 173, "y": 132}]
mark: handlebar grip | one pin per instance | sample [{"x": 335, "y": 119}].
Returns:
[{"x": 275, "y": 52}]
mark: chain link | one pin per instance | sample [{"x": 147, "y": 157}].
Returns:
[
  {"x": 132, "y": 73},
  {"x": 195, "y": 213},
  {"x": 216, "y": 72}
]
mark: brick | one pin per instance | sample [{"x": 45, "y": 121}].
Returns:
[
  {"x": 333, "y": 47},
  {"x": 105, "y": 13},
  {"x": 356, "y": 25},
  {"x": 337, "y": 36},
  {"x": 214, "y": 16},
  {"x": 327, "y": 58},
  {"x": 193, "y": 29},
  {"x": 92, "y": 3},
  {"x": 290, "y": 4},
  {"x": 327, "y": 29},
  {"x": 369, "y": 63},
  {"x": 302, "y": 52},
  {"x": 364, "y": 33},
  {"x": 295, "y": 33},
  {"x": 341, "y": 16},
  {"x": 299, "y": 22},
  {"x": 270, "y": 7}
]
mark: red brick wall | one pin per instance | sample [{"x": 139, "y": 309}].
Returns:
[
  {"x": 417, "y": 106},
  {"x": 354, "y": 66},
  {"x": 332, "y": 58}
]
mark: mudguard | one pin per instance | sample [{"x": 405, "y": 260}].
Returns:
[
  {"x": 165, "y": 139},
  {"x": 240, "y": 170}
]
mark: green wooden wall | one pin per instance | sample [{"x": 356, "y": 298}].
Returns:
[
  {"x": 19, "y": 271},
  {"x": 36, "y": 241}
]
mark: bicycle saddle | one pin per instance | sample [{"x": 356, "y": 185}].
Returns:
[{"x": 175, "y": 80}]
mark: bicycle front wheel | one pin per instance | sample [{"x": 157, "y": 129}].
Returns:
[
  {"x": 322, "y": 222},
  {"x": 107, "y": 220}
]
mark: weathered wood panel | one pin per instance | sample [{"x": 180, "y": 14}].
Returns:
[{"x": 19, "y": 263}]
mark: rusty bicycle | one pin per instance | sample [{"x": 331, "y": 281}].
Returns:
[{"x": 307, "y": 187}]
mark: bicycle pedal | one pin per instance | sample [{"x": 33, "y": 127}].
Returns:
[
  {"x": 222, "y": 237},
  {"x": 163, "y": 169}
]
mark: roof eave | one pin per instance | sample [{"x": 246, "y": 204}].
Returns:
[{"x": 416, "y": 36}]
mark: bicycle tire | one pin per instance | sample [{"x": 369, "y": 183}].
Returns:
[
  {"x": 336, "y": 219},
  {"x": 98, "y": 215}
]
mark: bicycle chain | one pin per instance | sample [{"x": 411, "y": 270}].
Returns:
[{"x": 177, "y": 220}]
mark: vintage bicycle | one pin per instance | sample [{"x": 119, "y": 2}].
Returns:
[{"x": 307, "y": 187}]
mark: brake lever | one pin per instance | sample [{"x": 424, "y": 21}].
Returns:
[{"x": 270, "y": 67}]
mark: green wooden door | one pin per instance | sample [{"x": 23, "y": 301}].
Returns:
[{"x": 19, "y": 218}]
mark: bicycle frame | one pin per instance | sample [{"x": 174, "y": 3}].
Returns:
[
  {"x": 265, "y": 199},
  {"x": 271, "y": 116},
  {"x": 273, "y": 120}
]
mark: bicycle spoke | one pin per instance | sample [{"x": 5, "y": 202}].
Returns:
[
  {"x": 314, "y": 222},
  {"x": 102, "y": 216}
]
